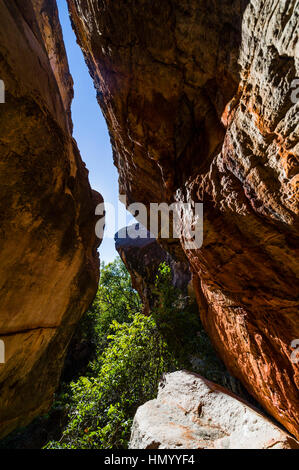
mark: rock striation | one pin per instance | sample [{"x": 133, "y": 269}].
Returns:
[
  {"x": 201, "y": 103},
  {"x": 48, "y": 259},
  {"x": 192, "y": 413}
]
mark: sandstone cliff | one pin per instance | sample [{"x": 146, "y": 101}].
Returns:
[
  {"x": 199, "y": 102},
  {"x": 48, "y": 258}
]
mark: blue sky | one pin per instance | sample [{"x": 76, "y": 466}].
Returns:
[{"x": 90, "y": 129}]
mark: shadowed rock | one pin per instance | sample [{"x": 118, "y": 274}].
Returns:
[
  {"x": 142, "y": 255},
  {"x": 49, "y": 264}
]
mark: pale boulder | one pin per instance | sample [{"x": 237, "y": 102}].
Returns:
[{"x": 192, "y": 413}]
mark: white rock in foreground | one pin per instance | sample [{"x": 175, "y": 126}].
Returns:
[{"x": 192, "y": 413}]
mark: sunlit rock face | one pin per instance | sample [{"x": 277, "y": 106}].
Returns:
[
  {"x": 48, "y": 258},
  {"x": 199, "y": 102}
]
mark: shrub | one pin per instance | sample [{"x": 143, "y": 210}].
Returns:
[
  {"x": 126, "y": 375},
  {"x": 178, "y": 321},
  {"x": 115, "y": 300},
  {"x": 133, "y": 353}
]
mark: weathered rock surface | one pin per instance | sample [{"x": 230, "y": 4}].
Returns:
[
  {"x": 192, "y": 413},
  {"x": 142, "y": 257},
  {"x": 200, "y": 103},
  {"x": 48, "y": 259}
]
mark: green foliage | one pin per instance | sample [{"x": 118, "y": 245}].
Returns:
[
  {"x": 176, "y": 315},
  {"x": 178, "y": 321},
  {"x": 126, "y": 375},
  {"x": 115, "y": 300},
  {"x": 133, "y": 352}
]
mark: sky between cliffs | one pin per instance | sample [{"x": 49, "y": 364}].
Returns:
[{"x": 90, "y": 129}]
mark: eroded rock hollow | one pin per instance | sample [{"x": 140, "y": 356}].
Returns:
[
  {"x": 199, "y": 99},
  {"x": 48, "y": 259}
]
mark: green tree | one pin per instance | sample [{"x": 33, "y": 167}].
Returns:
[
  {"x": 125, "y": 376},
  {"x": 177, "y": 318},
  {"x": 133, "y": 353}
]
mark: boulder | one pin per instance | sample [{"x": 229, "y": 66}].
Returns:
[{"x": 193, "y": 413}]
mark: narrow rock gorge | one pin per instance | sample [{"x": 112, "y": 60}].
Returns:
[
  {"x": 201, "y": 100},
  {"x": 49, "y": 264},
  {"x": 200, "y": 103}
]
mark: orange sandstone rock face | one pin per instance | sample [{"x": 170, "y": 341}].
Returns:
[
  {"x": 200, "y": 105},
  {"x": 48, "y": 259}
]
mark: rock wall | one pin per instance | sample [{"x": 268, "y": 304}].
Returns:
[
  {"x": 199, "y": 102},
  {"x": 48, "y": 259}
]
